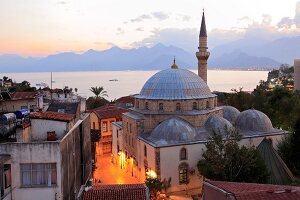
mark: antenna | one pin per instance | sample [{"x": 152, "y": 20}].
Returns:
[{"x": 51, "y": 87}]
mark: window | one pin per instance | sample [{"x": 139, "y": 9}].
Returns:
[
  {"x": 146, "y": 106},
  {"x": 94, "y": 125},
  {"x": 207, "y": 104},
  {"x": 7, "y": 176},
  {"x": 118, "y": 148},
  {"x": 145, "y": 151},
  {"x": 130, "y": 128},
  {"x": 195, "y": 106},
  {"x": 36, "y": 175},
  {"x": 104, "y": 126},
  {"x": 117, "y": 133},
  {"x": 183, "y": 154},
  {"x": 110, "y": 125},
  {"x": 161, "y": 106},
  {"x": 137, "y": 104},
  {"x": 183, "y": 173},
  {"x": 178, "y": 106}
]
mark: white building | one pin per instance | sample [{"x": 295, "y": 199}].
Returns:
[{"x": 50, "y": 161}]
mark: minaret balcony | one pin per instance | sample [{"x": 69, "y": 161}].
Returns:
[{"x": 202, "y": 55}]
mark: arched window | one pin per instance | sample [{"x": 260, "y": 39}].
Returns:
[
  {"x": 207, "y": 104},
  {"x": 178, "y": 107},
  {"x": 161, "y": 106},
  {"x": 145, "y": 151},
  {"x": 183, "y": 154},
  {"x": 183, "y": 173},
  {"x": 146, "y": 106},
  {"x": 195, "y": 107}
]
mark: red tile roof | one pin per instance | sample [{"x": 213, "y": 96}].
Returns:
[
  {"x": 117, "y": 192},
  {"x": 254, "y": 191},
  {"x": 126, "y": 99},
  {"x": 56, "y": 116},
  {"x": 22, "y": 95},
  {"x": 109, "y": 111}
]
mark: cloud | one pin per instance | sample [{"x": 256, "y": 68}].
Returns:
[
  {"x": 62, "y": 2},
  {"x": 139, "y": 29},
  {"x": 141, "y": 18},
  {"x": 156, "y": 15},
  {"x": 183, "y": 38},
  {"x": 186, "y": 18},
  {"x": 120, "y": 31},
  {"x": 160, "y": 15},
  {"x": 250, "y": 31},
  {"x": 287, "y": 22}
]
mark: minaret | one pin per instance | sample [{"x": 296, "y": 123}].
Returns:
[{"x": 202, "y": 55}]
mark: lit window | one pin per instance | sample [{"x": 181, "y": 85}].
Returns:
[
  {"x": 146, "y": 106},
  {"x": 183, "y": 154},
  {"x": 195, "y": 106},
  {"x": 37, "y": 175},
  {"x": 161, "y": 106},
  {"x": 178, "y": 107},
  {"x": 183, "y": 173},
  {"x": 104, "y": 126}
]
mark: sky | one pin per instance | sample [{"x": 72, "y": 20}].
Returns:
[{"x": 43, "y": 27}]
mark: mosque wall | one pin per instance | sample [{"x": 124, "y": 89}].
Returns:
[
  {"x": 171, "y": 162},
  {"x": 171, "y": 105}
]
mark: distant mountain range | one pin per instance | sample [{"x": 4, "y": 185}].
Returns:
[{"x": 242, "y": 54}]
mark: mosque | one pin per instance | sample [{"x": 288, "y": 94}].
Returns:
[{"x": 175, "y": 113}]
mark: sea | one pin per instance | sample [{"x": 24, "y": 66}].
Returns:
[{"x": 122, "y": 83}]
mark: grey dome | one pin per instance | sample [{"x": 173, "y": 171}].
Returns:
[
  {"x": 174, "y": 130},
  {"x": 230, "y": 113},
  {"x": 253, "y": 120},
  {"x": 217, "y": 124},
  {"x": 172, "y": 84}
]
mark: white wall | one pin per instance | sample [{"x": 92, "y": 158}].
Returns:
[
  {"x": 170, "y": 161},
  {"x": 40, "y": 127},
  {"x": 47, "y": 152}
]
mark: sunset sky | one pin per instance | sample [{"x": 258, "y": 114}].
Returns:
[{"x": 42, "y": 27}]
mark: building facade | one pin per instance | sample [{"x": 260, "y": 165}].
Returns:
[{"x": 50, "y": 160}]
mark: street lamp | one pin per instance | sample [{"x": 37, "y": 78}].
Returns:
[{"x": 121, "y": 159}]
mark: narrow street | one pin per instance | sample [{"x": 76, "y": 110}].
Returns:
[{"x": 107, "y": 172}]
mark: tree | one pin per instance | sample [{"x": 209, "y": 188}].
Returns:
[
  {"x": 289, "y": 149},
  {"x": 99, "y": 92},
  {"x": 225, "y": 160},
  {"x": 154, "y": 185}
]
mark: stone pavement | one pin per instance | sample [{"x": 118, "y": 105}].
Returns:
[{"x": 108, "y": 173}]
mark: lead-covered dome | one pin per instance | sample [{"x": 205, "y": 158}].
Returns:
[
  {"x": 172, "y": 84},
  {"x": 230, "y": 113},
  {"x": 216, "y": 124},
  {"x": 253, "y": 120},
  {"x": 174, "y": 130}
]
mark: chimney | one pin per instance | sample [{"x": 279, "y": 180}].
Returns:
[{"x": 297, "y": 74}]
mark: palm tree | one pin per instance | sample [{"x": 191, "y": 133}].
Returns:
[{"x": 99, "y": 92}]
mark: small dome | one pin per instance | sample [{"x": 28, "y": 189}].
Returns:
[
  {"x": 253, "y": 120},
  {"x": 174, "y": 84},
  {"x": 174, "y": 130},
  {"x": 230, "y": 113},
  {"x": 217, "y": 124}
]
